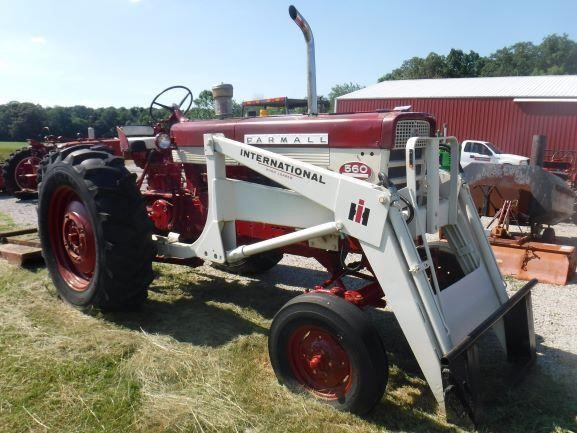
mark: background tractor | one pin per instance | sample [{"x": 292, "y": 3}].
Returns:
[{"x": 19, "y": 172}]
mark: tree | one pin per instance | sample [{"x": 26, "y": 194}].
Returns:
[
  {"x": 556, "y": 55},
  {"x": 341, "y": 89},
  {"x": 460, "y": 64},
  {"x": 23, "y": 120},
  {"x": 106, "y": 122},
  {"x": 456, "y": 64},
  {"x": 516, "y": 60},
  {"x": 204, "y": 106}
]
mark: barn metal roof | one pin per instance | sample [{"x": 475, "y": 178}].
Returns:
[{"x": 551, "y": 86}]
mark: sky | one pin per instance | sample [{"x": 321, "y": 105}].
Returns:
[{"x": 102, "y": 53}]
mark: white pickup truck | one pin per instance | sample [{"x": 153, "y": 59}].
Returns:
[{"x": 485, "y": 152}]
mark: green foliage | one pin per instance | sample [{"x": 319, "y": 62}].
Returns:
[
  {"x": 204, "y": 106},
  {"x": 18, "y": 119},
  {"x": 339, "y": 90},
  {"x": 556, "y": 55},
  {"x": 23, "y": 120},
  {"x": 460, "y": 64}
]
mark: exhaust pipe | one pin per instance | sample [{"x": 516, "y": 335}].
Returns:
[{"x": 311, "y": 69}]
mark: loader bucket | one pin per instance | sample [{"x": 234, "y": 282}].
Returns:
[
  {"x": 460, "y": 366},
  {"x": 549, "y": 263}
]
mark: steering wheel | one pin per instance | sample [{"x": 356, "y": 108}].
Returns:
[{"x": 183, "y": 102}]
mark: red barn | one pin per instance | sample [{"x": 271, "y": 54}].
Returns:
[{"x": 506, "y": 111}]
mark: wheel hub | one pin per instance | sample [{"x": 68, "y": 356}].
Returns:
[
  {"x": 25, "y": 173},
  {"x": 73, "y": 238},
  {"x": 78, "y": 238},
  {"x": 319, "y": 362}
]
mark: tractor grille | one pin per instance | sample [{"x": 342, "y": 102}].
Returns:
[
  {"x": 406, "y": 129},
  {"x": 411, "y": 128}
]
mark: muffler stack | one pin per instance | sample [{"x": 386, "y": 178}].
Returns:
[{"x": 311, "y": 68}]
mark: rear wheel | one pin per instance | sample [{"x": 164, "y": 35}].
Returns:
[
  {"x": 20, "y": 171},
  {"x": 95, "y": 234},
  {"x": 328, "y": 347},
  {"x": 252, "y": 265}
]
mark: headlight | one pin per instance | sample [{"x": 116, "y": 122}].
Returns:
[
  {"x": 524, "y": 162},
  {"x": 163, "y": 141}
]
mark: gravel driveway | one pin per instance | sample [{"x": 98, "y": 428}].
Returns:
[
  {"x": 21, "y": 211},
  {"x": 554, "y": 307}
]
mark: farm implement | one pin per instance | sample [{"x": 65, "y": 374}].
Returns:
[
  {"x": 241, "y": 192},
  {"x": 531, "y": 196}
]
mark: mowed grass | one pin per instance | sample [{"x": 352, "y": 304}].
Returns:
[
  {"x": 194, "y": 359},
  {"x": 7, "y": 147}
]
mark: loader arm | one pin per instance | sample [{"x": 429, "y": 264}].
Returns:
[{"x": 435, "y": 320}]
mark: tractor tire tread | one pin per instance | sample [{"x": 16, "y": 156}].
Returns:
[
  {"x": 127, "y": 249},
  {"x": 355, "y": 331},
  {"x": 9, "y": 167}
]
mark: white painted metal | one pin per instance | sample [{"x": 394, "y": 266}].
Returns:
[
  {"x": 327, "y": 243},
  {"x": 319, "y": 156},
  {"x": 431, "y": 178},
  {"x": 432, "y": 186},
  {"x": 545, "y": 100},
  {"x": 468, "y": 302},
  {"x": 482, "y": 243},
  {"x": 282, "y": 241},
  {"x": 560, "y": 86},
  {"x": 376, "y": 159},
  {"x": 286, "y": 139},
  {"x": 411, "y": 170},
  {"x": 247, "y": 201},
  {"x": 137, "y": 130},
  {"x": 408, "y": 307},
  {"x": 322, "y": 202},
  {"x": 328, "y": 189},
  {"x": 331, "y": 158},
  {"x": 454, "y": 181}
]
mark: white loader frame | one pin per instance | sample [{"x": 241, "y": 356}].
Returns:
[{"x": 440, "y": 326}]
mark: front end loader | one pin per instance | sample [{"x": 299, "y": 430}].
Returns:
[{"x": 241, "y": 192}]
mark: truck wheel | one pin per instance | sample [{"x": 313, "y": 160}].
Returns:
[
  {"x": 95, "y": 234},
  {"x": 325, "y": 346},
  {"x": 20, "y": 171},
  {"x": 252, "y": 265}
]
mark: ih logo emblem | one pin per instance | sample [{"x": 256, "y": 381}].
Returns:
[{"x": 359, "y": 213}]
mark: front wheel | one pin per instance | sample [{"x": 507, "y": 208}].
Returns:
[
  {"x": 326, "y": 346},
  {"x": 96, "y": 237}
]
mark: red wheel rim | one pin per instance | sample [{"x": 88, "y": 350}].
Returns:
[
  {"x": 25, "y": 173},
  {"x": 319, "y": 362},
  {"x": 72, "y": 238}
]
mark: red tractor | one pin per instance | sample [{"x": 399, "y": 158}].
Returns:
[
  {"x": 18, "y": 174},
  {"x": 241, "y": 192}
]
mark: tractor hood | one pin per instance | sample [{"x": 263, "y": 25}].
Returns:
[{"x": 358, "y": 130}]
